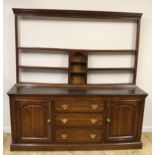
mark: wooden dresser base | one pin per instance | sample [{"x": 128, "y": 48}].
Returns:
[{"x": 67, "y": 120}]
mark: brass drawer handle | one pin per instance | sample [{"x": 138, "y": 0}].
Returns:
[
  {"x": 63, "y": 136},
  {"x": 48, "y": 120},
  {"x": 64, "y": 106},
  {"x": 92, "y": 136},
  {"x": 108, "y": 120},
  {"x": 64, "y": 120},
  {"x": 94, "y": 106},
  {"x": 93, "y": 121}
]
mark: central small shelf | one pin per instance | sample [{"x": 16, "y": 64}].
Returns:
[{"x": 78, "y": 68}]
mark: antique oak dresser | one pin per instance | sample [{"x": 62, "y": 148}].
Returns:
[{"x": 77, "y": 115}]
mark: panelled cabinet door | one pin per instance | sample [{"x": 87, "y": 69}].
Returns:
[
  {"x": 32, "y": 120},
  {"x": 122, "y": 120}
]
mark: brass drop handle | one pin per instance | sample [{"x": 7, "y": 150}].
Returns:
[
  {"x": 93, "y": 121},
  {"x": 94, "y": 106},
  {"x": 64, "y": 120},
  {"x": 64, "y": 106},
  {"x": 108, "y": 120},
  {"x": 63, "y": 136},
  {"x": 48, "y": 120},
  {"x": 92, "y": 136}
]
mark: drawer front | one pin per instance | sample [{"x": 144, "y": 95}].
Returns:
[
  {"x": 78, "y": 135},
  {"x": 67, "y": 119},
  {"x": 79, "y": 106}
]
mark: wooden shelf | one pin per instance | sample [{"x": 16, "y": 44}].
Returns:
[
  {"x": 78, "y": 73},
  {"x": 82, "y": 14},
  {"x": 111, "y": 69},
  {"x": 82, "y": 86},
  {"x": 36, "y": 49},
  {"x": 77, "y": 63},
  {"x": 45, "y": 68}
]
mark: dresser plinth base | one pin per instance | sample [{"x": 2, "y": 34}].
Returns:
[{"x": 74, "y": 147}]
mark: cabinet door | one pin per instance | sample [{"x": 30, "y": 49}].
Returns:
[
  {"x": 32, "y": 118},
  {"x": 122, "y": 120}
]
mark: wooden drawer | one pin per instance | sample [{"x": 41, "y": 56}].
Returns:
[
  {"x": 76, "y": 135},
  {"x": 79, "y": 106},
  {"x": 82, "y": 119}
]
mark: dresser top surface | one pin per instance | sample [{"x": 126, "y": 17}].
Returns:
[{"x": 18, "y": 90}]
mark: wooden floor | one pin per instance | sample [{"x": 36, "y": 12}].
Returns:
[{"x": 147, "y": 149}]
